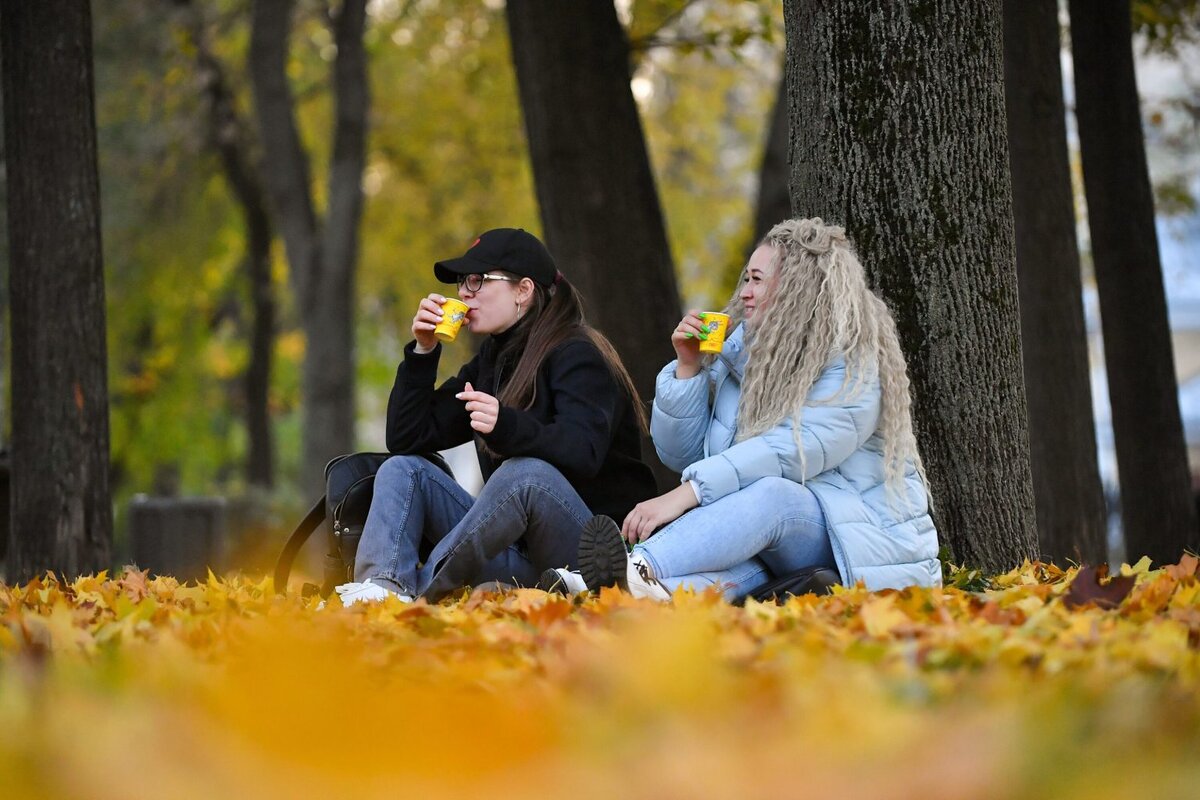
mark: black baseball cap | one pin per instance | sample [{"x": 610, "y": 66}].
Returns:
[{"x": 513, "y": 250}]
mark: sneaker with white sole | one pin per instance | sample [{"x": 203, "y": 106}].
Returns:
[
  {"x": 640, "y": 582},
  {"x": 562, "y": 581},
  {"x": 366, "y": 592}
]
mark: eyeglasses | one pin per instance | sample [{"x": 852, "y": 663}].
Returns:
[{"x": 474, "y": 282}]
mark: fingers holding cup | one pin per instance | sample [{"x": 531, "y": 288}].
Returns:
[
  {"x": 425, "y": 321},
  {"x": 688, "y": 333},
  {"x": 715, "y": 326}
]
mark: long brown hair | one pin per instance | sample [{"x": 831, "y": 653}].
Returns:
[{"x": 556, "y": 316}]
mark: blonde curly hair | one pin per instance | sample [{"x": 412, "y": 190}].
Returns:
[{"x": 818, "y": 306}]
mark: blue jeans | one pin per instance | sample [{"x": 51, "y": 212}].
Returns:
[
  {"x": 526, "y": 519},
  {"x": 769, "y": 528}
]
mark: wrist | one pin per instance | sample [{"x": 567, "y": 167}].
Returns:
[
  {"x": 684, "y": 370},
  {"x": 686, "y": 494},
  {"x": 423, "y": 350}
]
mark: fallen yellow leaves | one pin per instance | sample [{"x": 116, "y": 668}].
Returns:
[{"x": 111, "y": 687}]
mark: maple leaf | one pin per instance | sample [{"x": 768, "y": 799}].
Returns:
[
  {"x": 1089, "y": 587},
  {"x": 135, "y": 583}
]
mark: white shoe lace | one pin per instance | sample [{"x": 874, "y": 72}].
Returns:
[{"x": 642, "y": 583}]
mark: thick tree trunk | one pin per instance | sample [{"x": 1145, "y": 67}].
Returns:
[
  {"x": 322, "y": 262},
  {"x": 260, "y": 459},
  {"x": 228, "y": 139},
  {"x": 61, "y": 508},
  {"x": 1062, "y": 433},
  {"x": 1156, "y": 506},
  {"x": 599, "y": 205},
  {"x": 900, "y": 137},
  {"x": 774, "y": 202}
]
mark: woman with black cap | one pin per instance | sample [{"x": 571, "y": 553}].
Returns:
[{"x": 555, "y": 419}]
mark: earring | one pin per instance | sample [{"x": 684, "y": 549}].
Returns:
[{"x": 518, "y": 309}]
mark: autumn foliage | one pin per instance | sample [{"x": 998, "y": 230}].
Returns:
[{"x": 1037, "y": 683}]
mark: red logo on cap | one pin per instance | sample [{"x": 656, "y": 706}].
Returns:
[{"x": 474, "y": 242}]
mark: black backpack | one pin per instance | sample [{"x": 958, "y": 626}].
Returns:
[{"x": 349, "y": 487}]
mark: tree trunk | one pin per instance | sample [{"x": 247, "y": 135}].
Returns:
[
  {"x": 900, "y": 137},
  {"x": 599, "y": 205},
  {"x": 61, "y": 507},
  {"x": 228, "y": 138},
  {"x": 321, "y": 261},
  {"x": 774, "y": 201},
  {"x": 1062, "y": 433},
  {"x": 1156, "y": 505}
]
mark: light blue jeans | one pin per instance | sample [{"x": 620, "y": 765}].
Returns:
[
  {"x": 770, "y": 528},
  {"x": 526, "y": 519}
]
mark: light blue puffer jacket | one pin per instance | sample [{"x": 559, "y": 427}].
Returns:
[{"x": 884, "y": 541}]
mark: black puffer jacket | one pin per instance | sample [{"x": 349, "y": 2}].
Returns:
[{"x": 581, "y": 420}]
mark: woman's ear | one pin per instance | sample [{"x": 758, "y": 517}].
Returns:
[{"x": 525, "y": 290}]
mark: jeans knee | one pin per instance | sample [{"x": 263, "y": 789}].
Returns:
[
  {"x": 398, "y": 468},
  {"x": 525, "y": 471}
]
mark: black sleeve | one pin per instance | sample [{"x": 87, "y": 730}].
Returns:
[
  {"x": 586, "y": 400},
  {"x": 420, "y": 418}
]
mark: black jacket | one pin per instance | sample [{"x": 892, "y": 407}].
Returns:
[{"x": 581, "y": 420}]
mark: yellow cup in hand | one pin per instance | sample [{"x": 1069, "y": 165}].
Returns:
[
  {"x": 716, "y": 325},
  {"x": 453, "y": 314}
]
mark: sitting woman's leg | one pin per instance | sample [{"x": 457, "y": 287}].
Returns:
[
  {"x": 735, "y": 582},
  {"x": 526, "y": 498},
  {"x": 776, "y": 519},
  {"x": 413, "y": 498}
]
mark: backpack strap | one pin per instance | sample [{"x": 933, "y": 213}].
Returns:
[{"x": 283, "y": 567}]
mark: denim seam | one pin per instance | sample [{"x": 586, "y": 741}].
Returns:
[
  {"x": 655, "y": 563},
  {"x": 389, "y": 574}
]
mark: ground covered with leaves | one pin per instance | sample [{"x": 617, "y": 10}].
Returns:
[{"x": 1037, "y": 683}]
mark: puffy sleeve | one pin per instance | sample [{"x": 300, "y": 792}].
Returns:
[{"x": 680, "y": 416}]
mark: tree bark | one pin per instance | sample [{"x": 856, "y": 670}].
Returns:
[
  {"x": 227, "y": 136},
  {"x": 774, "y": 202},
  {"x": 900, "y": 137},
  {"x": 599, "y": 205},
  {"x": 61, "y": 507},
  {"x": 1156, "y": 504},
  {"x": 322, "y": 257},
  {"x": 1062, "y": 433}
]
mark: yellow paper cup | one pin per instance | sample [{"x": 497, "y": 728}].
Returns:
[
  {"x": 716, "y": 325},
  {"x": 453, "y": 314}
]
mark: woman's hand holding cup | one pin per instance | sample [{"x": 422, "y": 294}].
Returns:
[
  {"x": 686, "y": 340},
  {"x": 429, "y": 314}
]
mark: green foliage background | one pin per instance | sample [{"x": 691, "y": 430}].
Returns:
[{"x": 446, "y": 159}]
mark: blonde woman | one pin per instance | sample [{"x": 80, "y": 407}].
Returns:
[{"x": 795, "y": 443}]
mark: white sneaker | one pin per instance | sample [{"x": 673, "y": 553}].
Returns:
[
  {"x": 365, "y": 592},
  {"x": 562, "y": 581},
  {"x": 640, "y": 583}
]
